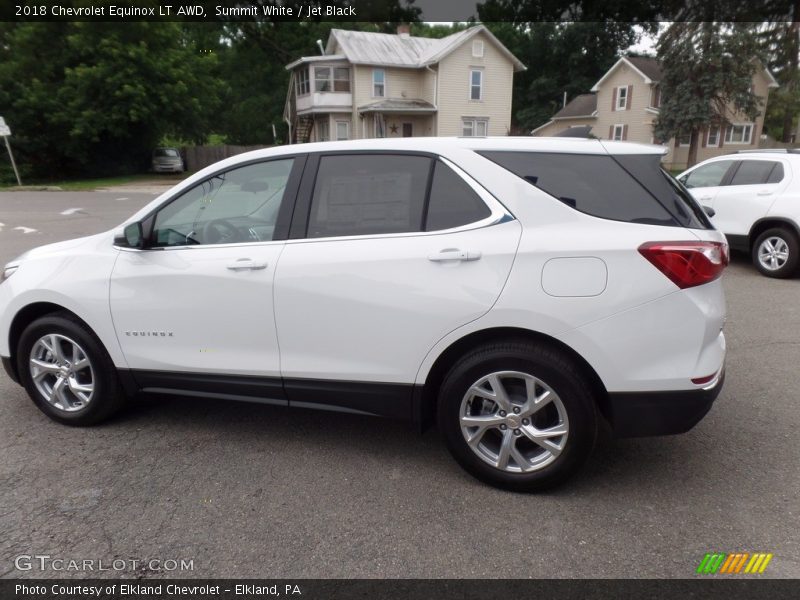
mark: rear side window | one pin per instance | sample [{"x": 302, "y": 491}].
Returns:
[
  {"x": 776, "y": 176},
  {"x": 453, "y": 202},
  {"x": 753, "y": 172},
  {"x": 362, "y": 194},
  {"x": 627, "y": 188}
]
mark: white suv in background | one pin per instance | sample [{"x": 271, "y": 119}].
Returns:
[
  {"x": 517, "y": 291},
  {"x": 755, "y": 201}
]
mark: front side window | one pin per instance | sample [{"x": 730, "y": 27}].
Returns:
[
  {"x": 367, "y": 194},
  {"x": 476, "y": 84},
  {"x": 752, "y": 172},
  {"x": 240, "y": 205},
  {"x": 710, "y": 175},
  {"x": 740, "y": 133},
  {"x": 378, "y": 83},
  {"x": 471, "y": 127}
]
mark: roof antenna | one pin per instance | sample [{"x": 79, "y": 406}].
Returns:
[{"x": 321, "y": 47}]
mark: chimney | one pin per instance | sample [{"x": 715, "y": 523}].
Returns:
[{"x": 404, "y": 30}]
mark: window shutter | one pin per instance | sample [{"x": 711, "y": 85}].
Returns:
[
  {"x": 611, "y": 132},
  {"x": 624, "y": 132},
  {"x": 628, "y": 98},
  {"x": 614, "y": 99},
  {"x": 703, "y": 137},
  {"x": 722, "y": 128}
]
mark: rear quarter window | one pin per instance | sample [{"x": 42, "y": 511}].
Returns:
[{"x": 627, "y": 188}]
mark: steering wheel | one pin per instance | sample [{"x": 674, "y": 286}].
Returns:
[{"x": 220, "y": 231}]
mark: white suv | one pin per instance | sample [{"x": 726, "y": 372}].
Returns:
[
  {"x": 519, "y": 291},
  {"x": 755, "y": 201}
]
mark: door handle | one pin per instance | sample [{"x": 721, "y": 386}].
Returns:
[
  {"x": 244, "y": 264},
  {"x": 454, "y": 254},
  {"x": 764, "y": 193}
]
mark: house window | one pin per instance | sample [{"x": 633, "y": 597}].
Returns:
[
  {"x": 471, "y": 127},
  {"x": 713, "y": 136},
  {"x": 618, "y": 134},
  {"x": 331, "y": 79},
  {"x": 378, "y": 83},
  {"x": 739, "y": 133},
  {"x": 622, "y": 98},
  {"x": 475, "y": 84},
  {"x": 655, "y": 97},
  {"x": 477, "y": 49},
  {"x": 342, "y": 130},
  {"x": 323, "y": 130},
  {"x": 685, "y": 139},
  {"x": 302, "y": 82}
]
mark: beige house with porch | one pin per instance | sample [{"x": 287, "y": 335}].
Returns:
[
  {"x": 625, "y": 102},
  {"x": 370, "y": 85}
]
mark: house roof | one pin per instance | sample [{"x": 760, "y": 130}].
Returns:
[
  {"x": 366, "y": 47},
  {"x": 647, "y": 65},
  {"x": 398, "y": 105},
  {"x": 649, "y": 68},
  {"x": 580, "y": 106},
  {"x": 314, "y": 59},
  {"x": 650, "y": 65}
]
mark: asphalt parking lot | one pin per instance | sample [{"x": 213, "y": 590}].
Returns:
[{"x": 247, "y": 490}]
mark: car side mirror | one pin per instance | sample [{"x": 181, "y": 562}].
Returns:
[
  {"x": 709, "y": 211},
  {"x": 131, "y": 237}
]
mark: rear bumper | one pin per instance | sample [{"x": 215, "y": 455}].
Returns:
[{"x": 640, "y": 414}]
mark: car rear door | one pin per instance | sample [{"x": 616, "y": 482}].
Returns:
[
  {"x": 750, "y": 190},
  {"x": 392, "y": 251}
]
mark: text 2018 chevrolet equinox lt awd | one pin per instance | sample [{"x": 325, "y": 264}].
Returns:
[{"x": 515, "y": 291}]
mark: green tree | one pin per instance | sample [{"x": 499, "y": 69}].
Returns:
[
  {"x": 94, "y": 98},
  {"x": 708, "y": 70}
]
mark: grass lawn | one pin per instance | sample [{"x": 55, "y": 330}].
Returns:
[{"x": 79, "y": 185}]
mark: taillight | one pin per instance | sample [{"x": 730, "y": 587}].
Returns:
[{"x": 687, "y": 264}]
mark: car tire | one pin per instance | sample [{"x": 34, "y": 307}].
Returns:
[
  {"x": 525, "y": 444},
  {"x": 776, "y": 252},
  {"x": 67, "y": 372}
]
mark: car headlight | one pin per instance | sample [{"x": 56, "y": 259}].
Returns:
[{"x": 8, "y": 271}]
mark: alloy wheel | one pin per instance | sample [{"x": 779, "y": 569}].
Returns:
[
  {"x": 773, "y": 253},
  {"x": 62, "y": 372},
  {"x": 514, "y": 421}
]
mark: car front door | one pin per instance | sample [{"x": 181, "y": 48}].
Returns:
[
  {"x": 750, "y": 191},
  {"x": 706, "y": 181},
  {"x": 394, "y": 252},
  {"x": 193, "y": 309}
]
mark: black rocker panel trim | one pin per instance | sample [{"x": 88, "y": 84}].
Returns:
[
  {"x": 234, "y": 387},
  {"x": 393, "y": 400}
]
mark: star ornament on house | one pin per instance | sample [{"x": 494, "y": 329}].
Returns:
[{"x": 393, "y": 128}]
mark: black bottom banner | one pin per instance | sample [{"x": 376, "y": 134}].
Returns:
[{"x": 422, "y": 589}]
